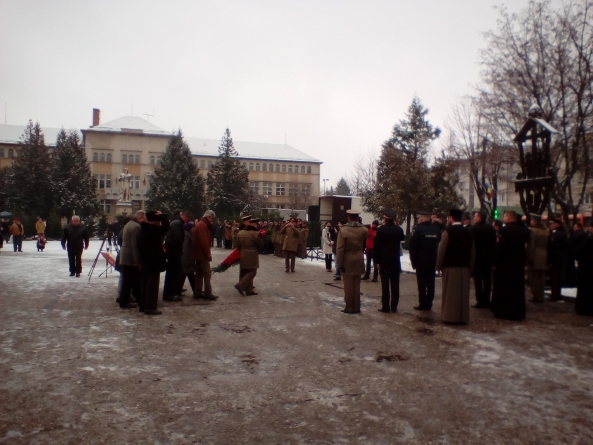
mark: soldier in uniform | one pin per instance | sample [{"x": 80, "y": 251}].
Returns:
[
  {"x": 424, "y": 246},
  {"x": 349, "y": 255},
  {"x": 249, "y": 243},
  {"x": 386, "y": 250}
]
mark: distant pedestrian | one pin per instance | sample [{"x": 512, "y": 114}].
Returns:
[
  {"x": 327, "y": 245},
  {"x": 218, "y": 233},
  {"x": 41, "y": 241},
  {"x": 174, "y": 278},
  {"x": 130, "y": 261},
  {"x": 424, "y": 246},
  {"x": 335, "y": 233},
  {"x": 17, "y": 231},
  {"x": 386, "y": 253},
  {"x": 577, "y": 237},
  {"x": 40, "y": 226},
  {"x": 485, "y": 244},
  {"x": 350, "y": 257},
  {"x": 369, "y": 253},
  {"x": 508, "y": 296},
  {"x": 557, "y": 247},
  {"x": 74, "y": 239},
  {"x": 188, "y": 264},
  {"x": 455, "y": 258},
  {"x": 537, "y": 258}
]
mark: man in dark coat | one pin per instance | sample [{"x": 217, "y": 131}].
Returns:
[
  {"x": 386, "y": 248},
  {"x": 153, "y": 260},
  {"x": 174, "y": 277},
  {"x": 424, "y": 245},
  {"x": 508, "y": 296},
  {"x": 557, "y": 247},
  {"x": 74, "y": 240},
  {"x": 584, "y": 255},
  {"x": 577, "y": 238},
  {"x": 485, "y": 242}
]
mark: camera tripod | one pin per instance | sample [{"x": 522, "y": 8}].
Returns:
[{"x": 108, "y": 263}]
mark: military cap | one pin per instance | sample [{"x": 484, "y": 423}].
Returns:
[
  {"x": 254, "y": 220},
  {"x": 423, "y": 213},
  {"x": 353, "y": 212},
  {"x": 245, "y": 218},
  {"x": 389, "y": 214}
]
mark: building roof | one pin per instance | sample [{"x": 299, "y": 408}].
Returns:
[
  {"x": 250, "y": 150},
  {"x": 130, "y": 124},
  {"x": 12, "y": 134}
]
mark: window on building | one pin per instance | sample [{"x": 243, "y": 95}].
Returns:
[
  {"x": 105, "y": 206},
  {"x": 152, "y": 160},
  {"x": 257, "y": 167},
  {"x": 1, "y": 152},
  {"x": 202, "y": 164},
  {"x": 158, "y": 161},
  {"x": 137, "y": 159},
  {"x": 283, "y": 168},
  {"x": 108, "y": 157},
  {"x": 267, "y": 189},
  {"x": 265, "y": 167},
  {"x": 296, "y": 168},
  {"x": 254, "y": 187},
  {"x": 10, "y": 153},
  {"x": 95, "y": 157},
  {"x": 277, "y": 167},
  {"x": 108, "y": 181},
  {"x": 302, "y": 169},
  {"x": 251, "y": 166},
  {"x": 308, "y": 169},
  {"x": 293, "y": 189},
  {"x": 102, "y": 157},
  {"x": 96, "y": 180},
  {"x": 101, "y": 181},
  {"x": 587, "y": 199},
  {"x": 136, "y": 182},
  {"x": 290, "y": 169},
  {"x": 280, "y": 188},
  {"x": 124, "y": 158},
  {"x": 306, "y": 190},
  {"x": 245, "y": 165},
  {"x": 209, "y": 164}
]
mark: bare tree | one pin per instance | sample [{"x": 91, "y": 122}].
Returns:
[
  {"x": 544, "y": 57},
  {"x": 363, "y": 178}
]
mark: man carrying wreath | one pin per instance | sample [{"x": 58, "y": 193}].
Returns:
[{"x": 249, "y": 243}]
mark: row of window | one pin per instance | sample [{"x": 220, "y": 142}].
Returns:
[
  {"x": 104, "y": 181},
  {"x": 125, "y": 158},
  {"x": 284, "y": 168},
  {"x": 11, "y": 153},
  {"x": 281, "y": 189}
]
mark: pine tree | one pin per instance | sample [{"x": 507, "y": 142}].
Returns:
[
  {"x": 403, "y": 176},
  {"x": 342, "y": 188},
  {"x": 228, "y": 180},
  {"x": 72, "y": 182},
  {"x": 176, "y": 184},
  {"x": 29, "y": 178}
]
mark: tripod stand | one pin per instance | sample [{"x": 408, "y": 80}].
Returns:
[{"x": 109, "y": 262}]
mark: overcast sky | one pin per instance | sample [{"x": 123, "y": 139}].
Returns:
[{"x": 332, "y": 77}]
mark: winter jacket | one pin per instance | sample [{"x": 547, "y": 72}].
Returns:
[
  {"x": 386, "y": 247},
  {"x": 537, "y": 255},
  {"x": 17, "y": 230},
  {"x": 174, "y": 239},
  {"x": 201, "y": 250},
  {"x": 187, "y": 262},
  {"x": 326, "y": 241},
  {"x": 372, "y": 234},
  {"x": 150, "y": 246},
  {"x": 40, "y": 227},
  {"x": 129, "y": 253},
  {"x": 75, "y": 237}
]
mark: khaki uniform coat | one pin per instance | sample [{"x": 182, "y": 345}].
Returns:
[
  {"x": 350, "y": 248},
  {"x": 129, "y": 254},
  {"x": 537, "y": 249},
  {"x": 291, "y": 239},
  {"x": 249, "y": 243}
]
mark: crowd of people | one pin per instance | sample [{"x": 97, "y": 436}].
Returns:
[{"x": 499, "y": 257}]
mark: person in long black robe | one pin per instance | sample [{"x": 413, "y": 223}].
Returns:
[
  {"x": 584, "y": 255},
  {"x": 508, "y": 296}
]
